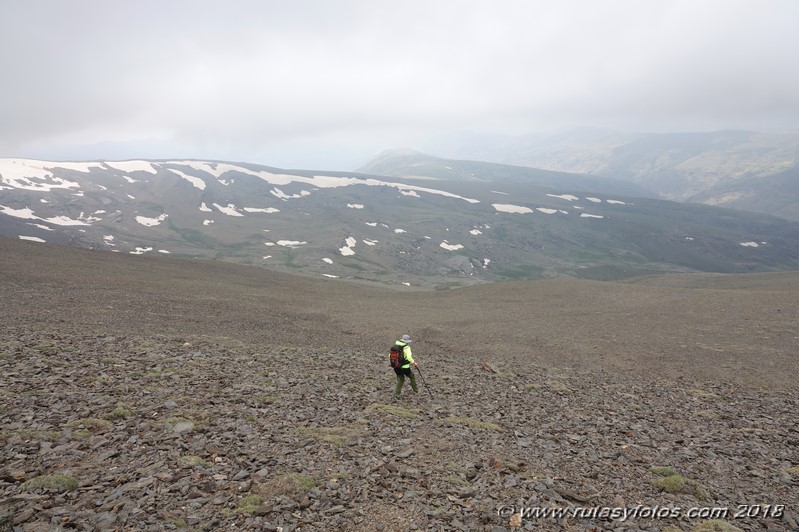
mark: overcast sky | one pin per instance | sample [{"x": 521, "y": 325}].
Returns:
[{"x": 328, "y": 84}]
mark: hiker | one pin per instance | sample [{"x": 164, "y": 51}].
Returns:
[{"x": 405, "y": 369}]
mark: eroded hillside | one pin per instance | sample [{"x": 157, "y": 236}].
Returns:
[{"x": 154, "y": 394}]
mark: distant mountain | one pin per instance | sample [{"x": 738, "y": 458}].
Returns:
[
  {"x": 413, "y": 164},
  {"x": 739, "y": 169},
  {"x": 452, "y": 223}
]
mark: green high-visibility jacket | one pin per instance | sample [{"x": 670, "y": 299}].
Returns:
[{"x": 406, "y": 350}]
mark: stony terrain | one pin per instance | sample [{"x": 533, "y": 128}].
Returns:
[{"x": 146, "y": 394}]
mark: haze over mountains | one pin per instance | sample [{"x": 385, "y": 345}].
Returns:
[
  {"x": 738, "y": 169},
  {"x": 404, "y": 219}
]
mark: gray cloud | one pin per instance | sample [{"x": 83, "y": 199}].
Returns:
[{"x": 302, "y": 83}]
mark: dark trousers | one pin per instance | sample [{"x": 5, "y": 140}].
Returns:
[{"x": 401, "y": 374}]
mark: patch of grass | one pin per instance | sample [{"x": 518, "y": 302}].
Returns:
[
  {"x": 393, "y": 409},
  {"x": 670, "y": 483},
  {"x": 191, "y": 460},
  {"x": 58, "y": 482},
  {"x": 473, "y": 423},
  {"x": 92, "y": 424},
  {"x": 34, "y": 435},
  {"x": 120, "y": 412},
  {"x": 47, "y": 349},
  {"x": 455, "y": 468},
  {"x": 247, "y": 505},
  {"x": 700, "y": 393},
  {"x": 532, "y": 387},
  {"x": 456, "y": 481},
  {"x": 557, "y": 386},
  {"x": 335, "y": 435},
  {"x": 664, "y": 471},
  {"x": 792, "y": 470},
  {"x": 715, "y": 525},
  {"x": 289, "y": 485},
  {"x": 261, "y": 400},
  {"x": 708, "y": 414},
  {"x": 178, "y": 523},
  {"x": 680, "y": 484}
]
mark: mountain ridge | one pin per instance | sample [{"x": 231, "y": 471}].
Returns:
[
  {"x": 444, "y": 232},
  {"x": 688, "y": 167}
]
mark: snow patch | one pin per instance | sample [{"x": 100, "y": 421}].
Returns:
[
  {"x": 28, "y": 214},
  {"x": 196, "y": 182},
  {"x": 450, "y": 247},
  {"x": 476, "y": 232},
  {"x": 132, "y": 166},
  {"x": 567, "y": 197},
  {"x": 411, "y": 193},
  {"x": 327, "y": 260},
  {"x": 27, "y": 174},
  {"x": 595, "y": 200},
  {"x": 750, "y": 244},
  {"x": 150, "y": 222},
  {"x": 547, "y": 211},
  {"x": 290, "y": 243},
  {"x": 329, "y": 275},
  {"x": 370, "y": 242},
  {"x": 586, "y": 215},
  {"x": 32, "y": 239},
  {"x": 354, "y": 205},
  {"x": 230, "y": 209},
  {"x": 207, "y": 222},
  {"x": 282, "y": 195},
  {"x": 513, "y": 209},
  {"x": 616, "y": 202},
  {"x": 268, "y": 210},
  {"x": 400, "y": 231},
  {"x": 141, "y": 251}
]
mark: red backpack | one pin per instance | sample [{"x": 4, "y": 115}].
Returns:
[{"x": 396, "y": 356}]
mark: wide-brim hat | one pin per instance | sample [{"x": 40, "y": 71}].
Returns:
[{"x": 405, "y": 338}]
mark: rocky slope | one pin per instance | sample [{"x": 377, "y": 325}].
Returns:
[{"x": 161, "y": 395}]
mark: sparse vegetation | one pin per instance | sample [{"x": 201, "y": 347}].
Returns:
[
  {"x": 262, "y": 400},
  {"x": 191, "y": 460},
  {"x": 393, "y": 409},
  {"x": 120, "y": 412},
  {"x": 664, "y": 471},
  {"x": 678, "y": 484},
  {"x": 58, "y": 482},
  {"x": 91, "y": 424},
  {"x": 473, "y": 423},
  {"x": 438, "y": 456},
  {"x": 246, "y": 505},
  {"x": 335, "y": 435},
  {"x": 289, "y": 485}
]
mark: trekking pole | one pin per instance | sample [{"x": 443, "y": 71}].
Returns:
[{"x": 423, "y": 382}]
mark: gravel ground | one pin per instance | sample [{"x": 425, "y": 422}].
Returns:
[{"x": 147, "y": 394}]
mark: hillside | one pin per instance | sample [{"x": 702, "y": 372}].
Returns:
[
  {"x": 173, "y": 394},
  {"x": 439, "y": 224},
  {"x": 737, "y": 169}
]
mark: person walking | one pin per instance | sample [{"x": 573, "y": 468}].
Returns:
[{"x": 405, "y": 370}]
